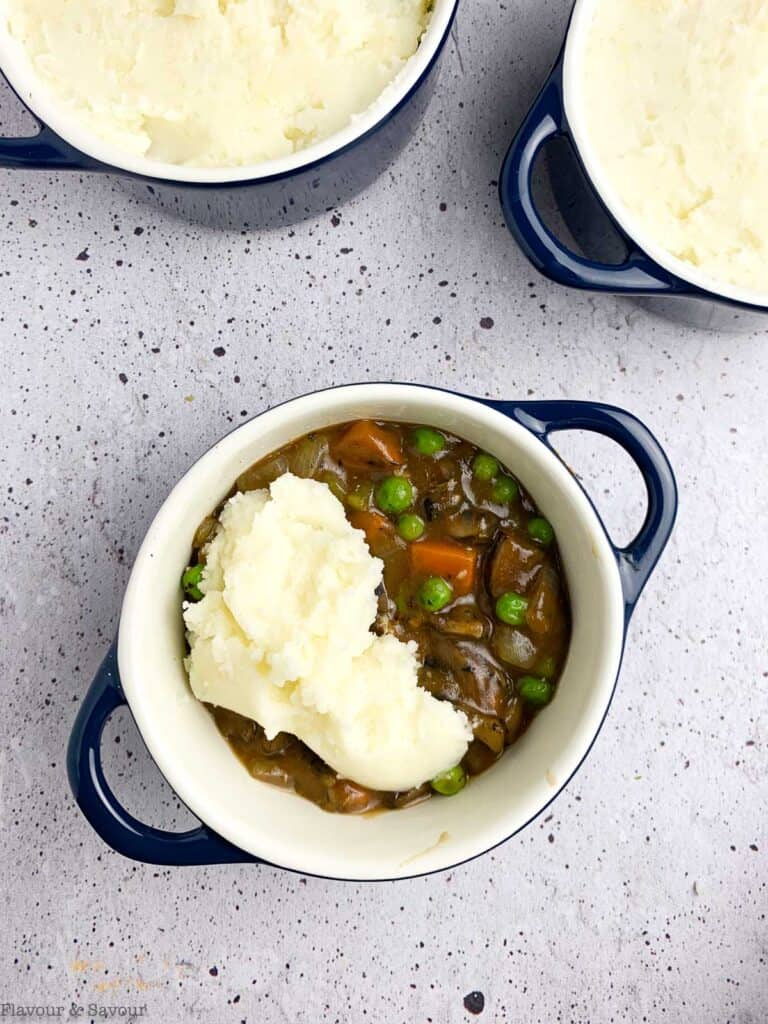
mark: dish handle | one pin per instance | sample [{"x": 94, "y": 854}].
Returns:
[
  {"x": 105, "y": 814},
  {"x": 638, "y": 559},
  {"x": 44, "y": 150},
  {"x": 638, "y": 275}
]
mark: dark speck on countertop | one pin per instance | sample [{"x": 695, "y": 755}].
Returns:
[{"x": 474, "y": 1002}]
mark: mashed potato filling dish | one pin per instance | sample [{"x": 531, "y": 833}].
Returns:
[
  {"x": 282, "y": 635},
  {"x": 216, "y": 83},
  {"x": 675, "y": 94}
]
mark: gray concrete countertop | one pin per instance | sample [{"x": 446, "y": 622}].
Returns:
[{"x": 131, "y": 341}]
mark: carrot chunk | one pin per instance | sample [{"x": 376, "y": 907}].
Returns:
[
  {"x": 366, "y": 445},
  {"x": 454, "y": 562}
]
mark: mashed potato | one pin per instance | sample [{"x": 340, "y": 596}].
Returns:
[
  {"x": 216, "y": 83},
  {"x": 675, "y": 94},
  {"x": 282, "y": 636}
]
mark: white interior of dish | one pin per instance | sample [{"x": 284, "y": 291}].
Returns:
[
  {"x": 286, "y": 829},
  {"x": 19, "y": 71},
  {"x": 578, "y": 119}
]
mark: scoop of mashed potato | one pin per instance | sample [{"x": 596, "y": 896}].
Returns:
[
  {"x": 282, "y": 636},
  {"x": 676, "y": 107},
  {"x": 216, "y": 83}
]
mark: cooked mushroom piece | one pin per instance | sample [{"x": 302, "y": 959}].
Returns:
[
  {"x": 478, "y": 758},
  {"x": 544, "y": 604},
  {"x": 276, "y": 773},
  {"x": 462, "y": 623},
  {"x": 471, "y": 524},
  {"x": 410, "y": 797},
  {"x": 442, "y": 499},
  {"x": 514, "y": 718},
  {"x": 278, "y": 745},
  {"x": 465, "y": 672},
  {"x": 205, "y": 532},
  {"x": 347, "y": 797},
  {"x": 514, "y": 564}
]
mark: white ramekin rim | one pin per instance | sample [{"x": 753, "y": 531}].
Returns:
[
  {"x": 303, "y": 857},
  {"x": 577, "y": 116},
  {"x": 18, "y": 70}
]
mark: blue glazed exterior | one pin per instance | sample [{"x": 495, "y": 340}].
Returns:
[
  {"x": 284, "y": 198},
  {"x": 638, "y": 559},
  {"x": 636, "y": 562},
  {"x": 107, "y": 817},
  {"x": 637, "y": 274}
]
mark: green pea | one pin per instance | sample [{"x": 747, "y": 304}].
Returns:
[
  {"x": 435, "y": 593},
  {"x": 535, "y": 691},
  {"x": 485, "y": 467},
  {"x": 505, "y": 490},
  {"x": 427, "y": 441},
  {"x": 451, "y": 782},
  {"x": 511, "y": 608},
  {"x": 190, "y": 582},
  {"x": 410, "y": 526},
  {"x": 541, "y": 530},
  {"x": 394, "y": 495}
]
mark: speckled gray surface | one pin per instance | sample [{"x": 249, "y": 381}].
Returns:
[{"x": 131, "y": 341}]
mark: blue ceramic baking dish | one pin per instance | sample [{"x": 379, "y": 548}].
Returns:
[
  {"x": 313, "y": 180},
  {"x": 594, "y": 215},
  {"x": 243, "y": 820}
]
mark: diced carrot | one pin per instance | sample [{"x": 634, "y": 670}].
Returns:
[
  {"x": 378, "y": 530},
  {"x": 366, "y": 445},
  {"x": 454, "y": 562}
]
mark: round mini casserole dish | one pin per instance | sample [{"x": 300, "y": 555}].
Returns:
[
  {"x": 596, "y": 216},
  {"x": 282, "y": 190},
  {"x": 247, "y": 820}
]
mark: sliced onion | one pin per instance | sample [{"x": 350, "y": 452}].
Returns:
[
  {"x": 309, "y": 456},
  {"x": 514, "y": 647},
  {"x": 257, "y": 477}
]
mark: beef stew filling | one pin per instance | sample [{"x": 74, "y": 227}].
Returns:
[{"x": 472, "y": 575}]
